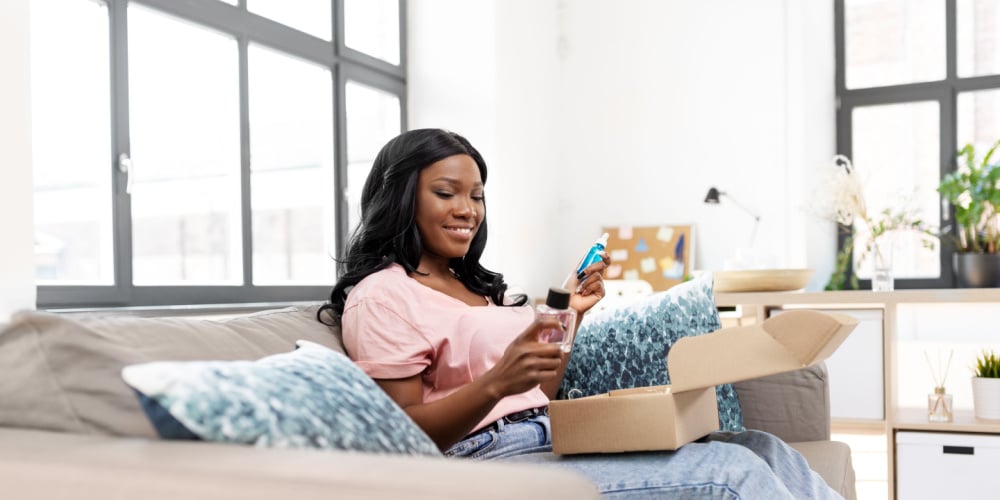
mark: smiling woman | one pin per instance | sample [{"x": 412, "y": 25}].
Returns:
[
  {"x": 438, "y": 334},
  {"x": 423, "y": 209}
]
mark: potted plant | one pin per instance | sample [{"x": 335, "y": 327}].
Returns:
[
  {"x": 986, "y": 386},
  {"x": 974, "y": 194},
  {"x": 840, "y": 197}
]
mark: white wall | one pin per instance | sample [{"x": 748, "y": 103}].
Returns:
[
  {"x": 810, "y": 132},
  {"x": 627, "y": 112},
  {"x": 17, "y": 268},
  {"x": 530, "y": 162}
]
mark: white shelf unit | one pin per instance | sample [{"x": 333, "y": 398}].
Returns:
[{"x": 869, "y": 306}]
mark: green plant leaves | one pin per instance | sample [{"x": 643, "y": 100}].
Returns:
[
  {"x": 988, "y": 365},
  {"x": 974, "y": 193}
]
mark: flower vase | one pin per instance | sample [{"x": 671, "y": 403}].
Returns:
[{"x": 881, "y": 258}]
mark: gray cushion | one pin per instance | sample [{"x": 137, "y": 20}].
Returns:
[
  {"x": 832, "y": 461},
  {"x": 62, "y": 372},
  {"x": 794, "y": 406}
]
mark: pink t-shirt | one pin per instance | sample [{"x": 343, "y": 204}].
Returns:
[{"x": 395, "y": 327}]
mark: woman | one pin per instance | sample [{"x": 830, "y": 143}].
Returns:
[{"x": 435, "y": 330}]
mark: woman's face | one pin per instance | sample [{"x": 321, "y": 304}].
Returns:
[{"x": 450, "y": 206}]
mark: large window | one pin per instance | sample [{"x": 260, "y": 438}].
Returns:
[
  {"x": 205, "y": 152},
  {"x": 916, "y": 79}
]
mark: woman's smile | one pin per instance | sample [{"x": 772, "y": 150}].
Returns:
[{"x": 464, "y": 233}]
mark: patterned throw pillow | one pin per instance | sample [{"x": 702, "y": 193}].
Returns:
[
  {"x": 312, "y": 397},
  {"x": 626, "y": 345}
]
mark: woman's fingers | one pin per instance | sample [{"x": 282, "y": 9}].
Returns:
[
  {"x": 594, "y": 284},
  {"x": 529, "y": 362},
  {"x": 592, "y": 272}
]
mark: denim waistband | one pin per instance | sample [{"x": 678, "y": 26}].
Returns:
[{"x": 512, "y": 418}]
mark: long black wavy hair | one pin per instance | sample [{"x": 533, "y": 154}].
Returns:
[{"x": 388, "y": 232}]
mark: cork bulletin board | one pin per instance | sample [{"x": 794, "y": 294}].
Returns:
[{"x": 660, "y": 255}]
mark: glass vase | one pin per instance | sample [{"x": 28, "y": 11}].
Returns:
[{"x": 881, "y": 258}]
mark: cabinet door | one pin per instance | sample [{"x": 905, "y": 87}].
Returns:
[
  {"x": 856, "y": 375},
  {"x": 945, "y": 465}
]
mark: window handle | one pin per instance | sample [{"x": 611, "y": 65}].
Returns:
[
  {"x": 945, "y": 210},
  {"x": 125, "y": 167}
]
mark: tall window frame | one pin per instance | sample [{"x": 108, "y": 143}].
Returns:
[
  {"x": 944, "y": 92},
  {"x": 345, "y": 65}
]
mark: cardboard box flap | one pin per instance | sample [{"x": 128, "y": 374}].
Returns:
[
  {"x": 785, "y": 342},
  {"x": 652, "y": 389},
  {"x": 811, "y": 336}
]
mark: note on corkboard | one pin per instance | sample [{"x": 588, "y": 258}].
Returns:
[{"x": 660, "y": 255}]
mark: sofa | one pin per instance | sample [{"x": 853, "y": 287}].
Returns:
[{"x": 71, "y": 428}]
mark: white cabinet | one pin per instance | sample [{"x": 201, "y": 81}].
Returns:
[
  {"x": 936, "y": 465},
  {"x": 856, "y": 368}
]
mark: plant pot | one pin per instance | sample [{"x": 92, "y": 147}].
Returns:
[
  {"x": 986, "y": 397},
  {"x": 977, "y": 270}
]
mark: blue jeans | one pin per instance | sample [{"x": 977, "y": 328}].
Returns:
[{"x": 725, "y": 465}]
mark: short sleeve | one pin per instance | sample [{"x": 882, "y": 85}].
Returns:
[{"x": 382, "y": 343}]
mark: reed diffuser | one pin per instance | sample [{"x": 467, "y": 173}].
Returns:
[{"x": 939, "y": 405}]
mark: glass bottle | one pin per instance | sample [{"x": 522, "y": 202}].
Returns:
[
  {"x": 939, "y": 407},
  {"x": 557, "y": 305}
]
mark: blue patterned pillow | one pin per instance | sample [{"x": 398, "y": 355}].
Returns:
[
  {"x": 312, "y": 397},
  {"x": 626, "y": 346}
]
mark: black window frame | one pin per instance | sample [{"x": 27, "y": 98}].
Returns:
[
  {"x": 944, "y": 92},
  {"x": 345, "y": 64}
]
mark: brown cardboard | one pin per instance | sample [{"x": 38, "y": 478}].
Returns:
[{"x": 668, "y": 417}]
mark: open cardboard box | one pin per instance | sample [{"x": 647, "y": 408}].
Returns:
[{"x": 670, "y": 416}]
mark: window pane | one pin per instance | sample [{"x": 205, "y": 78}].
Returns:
[
  {"x": 979, "y": 119},
  {"x": 373, "y": 117},
  {"x": 184, "y": 118},
  {"x": 309, "y": 16},
  {"x": 892, "y": 42},
  {"x": 71, "y": 143},
  {"x": 978, "y": 22},
  {"x": 896, "y": 151},
  {"x": 372, "y": 27},
  {"x": 291, "y": 151}
]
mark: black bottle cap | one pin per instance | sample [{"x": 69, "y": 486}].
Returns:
[{"x": 558, "y": 298}]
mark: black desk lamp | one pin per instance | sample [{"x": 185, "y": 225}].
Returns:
[{"x": 713, "y": 197}]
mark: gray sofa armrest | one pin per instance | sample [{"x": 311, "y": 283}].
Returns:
[
  {"x": 45, "y": 465},
  {"x": 794, "y": 406}
]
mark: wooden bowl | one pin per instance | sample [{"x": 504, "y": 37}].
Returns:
[{"x": 762, "y": 280}]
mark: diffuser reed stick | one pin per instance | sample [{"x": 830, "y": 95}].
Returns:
[
  {"x": 940, "y": 376},
  {"x": 939, "y": 408}
]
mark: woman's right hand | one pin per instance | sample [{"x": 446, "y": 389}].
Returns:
[{"x": 527, "y": 362}]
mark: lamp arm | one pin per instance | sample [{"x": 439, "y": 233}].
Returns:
[{"x": 745, "y": 209}]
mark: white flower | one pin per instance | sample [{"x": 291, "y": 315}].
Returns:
[
  {"x": 965, "y": 199},
  {"x": 841, "y": 196}
]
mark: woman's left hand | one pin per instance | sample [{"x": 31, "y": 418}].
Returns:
[{"x": 588, "y": 289}]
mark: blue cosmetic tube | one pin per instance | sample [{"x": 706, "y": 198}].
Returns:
[{"x": 594, "y": 254}]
